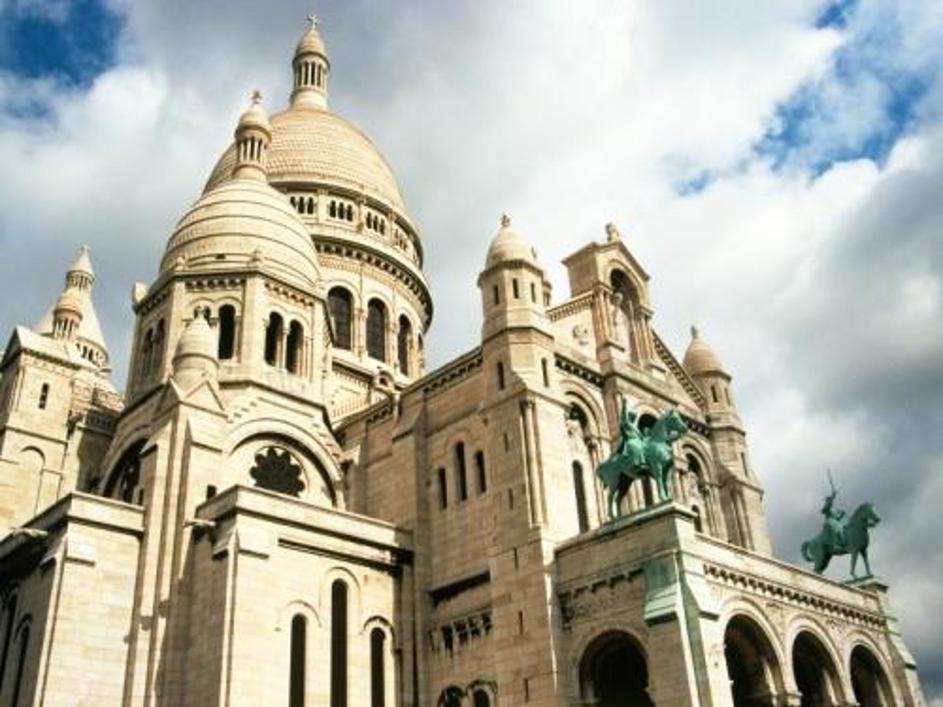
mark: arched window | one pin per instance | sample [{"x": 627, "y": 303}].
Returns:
[
  {"x": 376, "y": 330},
  {"x": 443, "y": 489},
  {"x": 339, "y": 644},
  {"x": 582, "y": 515},
  {"x": 158, "y": 346},
  {"x": 350, "y": 212},
  {"x": 404, "y": 344},
  {"x": 9, "y": 623},
  {"x": 227, "y": 332},
  {"x": 296, "y": 685},
  {"x": 124, "y": 483},
  {"x": 332, "y": 209},
  {"x": 481, "y": 699},
  {"x": 377, "y": 677},
  {"x": 147, "y": 353},
  {"x": 500, "y": 370},
  {"x": 461, "y": 471},
  {"x": 480, "y": 468},
  {"x": 294, "y": 347},
  {"x": 20, "y": 664},
  {"x": 43, "y": 396},
  {"x": 273, "y": 338},
  {"x": 340, "y": 306},
  {"x": 310, "y": 205}
]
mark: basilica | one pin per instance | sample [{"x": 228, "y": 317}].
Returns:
[{"x": 284, "y": 507}]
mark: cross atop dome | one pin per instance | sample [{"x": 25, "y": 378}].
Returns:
[{"x": 311, "y": 67}]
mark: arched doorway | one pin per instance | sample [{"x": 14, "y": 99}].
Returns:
[
  {"x": 814, "y": 671},
  {"x": 868, "y": 680},
  {"x": 754, "y": 673},
  {"x": 613, "y": 672}
]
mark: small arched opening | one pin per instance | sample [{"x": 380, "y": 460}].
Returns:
[
  {"x": 814, "y": 671},
  {"x": 376, "y": 330},
  {"x": 273, "y": 338},
  {"x": 339, "y": 643},
  {"x": 294, "y": 346},
  {"x": 755, "y": 676},
  {"x": 340, "y": 304},
  {"x": 299, "y": 639},
  {"x": 868, "y": 680},
  {"x": 404, "y": 338},
  {"x": 451, "y": 696},
  {"x": 613, "y": 672},
  {"x": 227, "y": 332},
  {"x": 124, "y": 482}
]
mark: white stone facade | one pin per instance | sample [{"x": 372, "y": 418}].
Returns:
[{"x": 283, "y": 508}]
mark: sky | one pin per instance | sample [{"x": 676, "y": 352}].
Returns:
[{"x": 777, "y": 167}]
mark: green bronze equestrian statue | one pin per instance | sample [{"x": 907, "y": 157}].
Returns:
[
  {"x": 640, "y": 454},
  {"x": 838, "y": 538}
]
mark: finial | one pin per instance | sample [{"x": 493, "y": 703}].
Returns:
[
  {"x": 612, "y": 233},
  {"x": 505, "y": 220},
  {"x": 694, "y": 332},
  {"x": 85, "y": 249},
  {"x": 256, "y": 97},
  {"x": 313, "y": 19}
]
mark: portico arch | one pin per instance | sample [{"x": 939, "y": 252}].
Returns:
[
  {"x": 815, "y": 672},
  {"x": 752, "y": 667},
  {"x": 868, "y": 679},
  {"x": 613, "y": 672}
]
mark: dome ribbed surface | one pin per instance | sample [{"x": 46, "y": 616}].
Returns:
[
  {"x": 311, "y": 43},
  {"x": 313, "y": 146},
  {"x": 700, "y": 358},
  {"x": 508, "y": 246},
  {"x": 242, "y": 222}
]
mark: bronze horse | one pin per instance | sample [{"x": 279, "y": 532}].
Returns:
[{"x": 647, "y": 454}]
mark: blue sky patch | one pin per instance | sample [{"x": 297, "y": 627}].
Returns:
[
  {"x": 71, "y": 42},
  {"x": 812, "y": 129},
  {"x": 836, "y": 14}
]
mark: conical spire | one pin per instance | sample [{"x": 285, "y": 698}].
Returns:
[
  {"x": 73, "y": 316},
  {"x": 311, "y": 68},
  {"x": 80, "y": 275}
]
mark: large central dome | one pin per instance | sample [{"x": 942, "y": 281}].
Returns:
[{"x": 313, "y": 145}]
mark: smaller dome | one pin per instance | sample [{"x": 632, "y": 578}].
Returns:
[
  {"x": 508, "y": 246},
  {"x": 197, "y": 340},
  {"x": 240, "y": 223},
  {"x": 70, "y": 301},
  {"x": 700, "y": 358},
  {"x": 311, "y": 42},
  {"x": 254, "y": 117}
]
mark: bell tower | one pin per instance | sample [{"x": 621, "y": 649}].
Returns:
[{"x": 742, "y": 493}]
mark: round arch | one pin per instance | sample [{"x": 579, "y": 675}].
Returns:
[
  {"x": 869, "y": 680},
  {"x": 753, "y": 665},
  {"x": 124, "y": 480},
  {"x": 613, "y": 671},
  {"x": 616, "y": 268},
  {"x": 276, "y": 451},
  {"x": 814, "y": 670}
]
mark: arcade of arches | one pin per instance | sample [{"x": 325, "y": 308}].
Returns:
[
  {"x": 613, "y": 672},
  {"x": 757, "y": 678}
]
